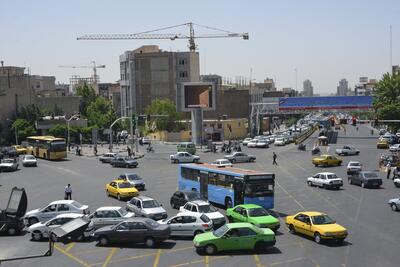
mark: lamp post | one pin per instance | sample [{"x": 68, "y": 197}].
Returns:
[
  {"x": 68, "y": 137},
  {"x": 112, "y": 124}
]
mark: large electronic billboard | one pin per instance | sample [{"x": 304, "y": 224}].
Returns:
[{"x": 198, "y": 94}]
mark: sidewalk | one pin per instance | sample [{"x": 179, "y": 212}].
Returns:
[{"x": 87, "y": 150}]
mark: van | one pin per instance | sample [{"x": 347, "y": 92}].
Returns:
[{"x": 187, "y": 147}]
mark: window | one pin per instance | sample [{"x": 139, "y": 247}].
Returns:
[
  {"x": 188, "y": 207},
  {"x": 123, "y": 226},
  {"x": 50, "y": 208},
  {"x": 178, "y": 219},
  {"x": 219, "y": 125},
  {"x": 229, "y": 180},
  {"x": 182, "y": 61},
  {"x": 113, "y": 213},
  {"x": 138, "y": 226},
  {"x": 246, "y": 232},
  {"x": 221, "y": 180},
  {"x": 300, "y": 217},
  {"x": 190, "y": 174},
  {"x": 212, "y": 178},
  {"x": 194, "y": 208},
  {"x": 183, "y": 74},
  {"x": 205, "y": 218},
  {"x": 63, "y": 207},
  {"x": 238, "y": 210},
  {"x": 189, "y": 219}
]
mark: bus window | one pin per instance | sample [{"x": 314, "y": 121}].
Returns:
[
  {"x": 221, "y": 180},
  {"x": 229, "y": 181},
  {"x": 212, "y": 178},
  {"x": 253, "y": 190}
]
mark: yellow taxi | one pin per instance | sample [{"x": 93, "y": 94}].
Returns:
[
  {"x": 121, "y": 189},
  {"x": 20, "y": 149},
  {"x": 327, "y": 160},
  {"x": 317, "y": 225},
  {"x": 382, "y": 143}
]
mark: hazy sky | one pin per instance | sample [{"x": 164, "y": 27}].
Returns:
[{"x": 324, "y": 40}]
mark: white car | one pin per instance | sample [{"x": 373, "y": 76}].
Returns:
[
  {"x": 8, "y": 165},
  {"x": 42, "y": 230},
  {"x": 279, "y": 141},
  {"x": 201, "y": 206},
  {"x": 252, "y": 143},
  {"x": 108, "y": 216},
  {"x": 396, "y": 182},
  {"x": 188, "y": 223},
  {"x": 394, "y": 148},
  {"x": 184, "y": 157},
  {"x": 222, "y": 163},
  {"x": 144, "y": 206},
  {"x": 347, "y": 151},
  {"x": 107, "y": 157},
  {"x": 246, "y": 141},
  {"x": 29, "y": 160},
  {"x": 325, "y": 180},
  {"x": 53, "y": 209},
  {"x": 394, "y": 203},
  {"x": 353, "y": 167},
  {"x": 262, "y": 143}
]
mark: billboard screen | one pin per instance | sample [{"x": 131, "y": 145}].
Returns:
[{"x": 198, "y": 94}]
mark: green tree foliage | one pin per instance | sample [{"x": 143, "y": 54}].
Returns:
[
  {"x": 60, "y": 130},
  {"x": 100, "y": 113},
  {"x": 31, "y": 113},
  {"x": 164, "y": 107},
  {"x": 387, "y": 99},
  {"x": 88, "y": 96},
  {"x": 23, "y": 129}
]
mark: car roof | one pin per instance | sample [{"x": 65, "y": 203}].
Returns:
[
  {"x": 311, "y": 213},
  {"x": 118, "y": 181},
  {"x": 250, "y": 206},
  {"x": 326, "y": 173},
  {"x": 137, "y": 219},
  {"x": 326, "y": 155},
  {"x": 69, "y": 215},
  {"x": 109, "y": 208},
  {"x": 62, "y": 202},
  {"x": 238, "y": 225},
  {"x": 199, "y": 202},
  {"x": 142, "y": 197},
  {"x": 189, "y": 213}
]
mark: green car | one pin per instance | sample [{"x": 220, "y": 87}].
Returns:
[
  {"x": 234, "y": 236},
  {"x": 253, "y": 214}
]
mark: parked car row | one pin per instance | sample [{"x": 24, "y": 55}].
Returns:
[{"x": 116, "y": 160}]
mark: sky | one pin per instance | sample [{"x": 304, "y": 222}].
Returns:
[{"x": 323, "y": 40}]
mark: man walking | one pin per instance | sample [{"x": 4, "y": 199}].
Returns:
[
  {"x": 274, "y": 157},
  {"x": 68, "y": 192},
  {"x": 129, "y": 151},
  {"x": 389, "y": 169}
]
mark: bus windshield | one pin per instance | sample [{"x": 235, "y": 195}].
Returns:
[{"x": 58, "y": 146}]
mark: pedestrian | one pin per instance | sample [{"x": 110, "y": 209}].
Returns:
[
  {"x": 389, "y": 170},
  {"x": 274, "y": 157},
  {"x": 95, "y": 150},
  {"x": 129, "y": 151},
  {"x": 395, "y": 172},
  {"x": 68, "y": 192}
]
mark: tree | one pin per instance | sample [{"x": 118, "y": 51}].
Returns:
[
  {"x": 100, "y": 113},
  {"x": 387, "y": 99},
  {"x": 88, "y": 96},
  {"x": 60, "y": 130},
  {"x": 23, "y": 129},
  {"x": 164, "y": 107}
]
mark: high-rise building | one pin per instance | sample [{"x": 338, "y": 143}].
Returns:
[
  {"x": 308, "y": 89},
  {"x": 395, "y": 69},
  {"x": 343, "y": 87},
  {"x": 148, "y": 73}
]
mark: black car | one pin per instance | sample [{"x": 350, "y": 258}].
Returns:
[
  {"x": 366, "y": 179},
  {"x": 11, "y": 219},
  {"x": 126, "y": 162},
  {"x": 134, "y": 230},
  {"x": 179, "y": 198}
]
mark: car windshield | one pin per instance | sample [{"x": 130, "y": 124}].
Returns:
[
  {"x": 331, "y": 176},
  {"x": 76, "y": 204},
  {"x": 128, "y": 158},
  {"x": 122, "y": 212},
  {"x": 370, "y": 175},
  {"x": 7, "y": 160},
  {"x": 29, "y": 157},
  {"x": 355, "y": 164},
  {"x": 221, "y": 231},
  {"x": 133, "y": 177},
  {"x": 125, "y": 185},
  {"x": 257, "y": 212},
  {"x": 193, "y": 195},
  {"x": 322, "y": 219},
  {"x": 206, "y": 209},
  {"x": 150, "y": 204},
  {"x": 152, "y": 224}
]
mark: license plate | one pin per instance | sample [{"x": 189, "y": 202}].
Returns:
[{"x": 262, "y": 198}]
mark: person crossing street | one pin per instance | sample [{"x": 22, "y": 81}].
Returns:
[
  {"x": 68, "y": 192},
  {"x": 274, "y": 157}
]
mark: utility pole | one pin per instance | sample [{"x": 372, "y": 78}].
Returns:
[{"x": 112, "y": 124}]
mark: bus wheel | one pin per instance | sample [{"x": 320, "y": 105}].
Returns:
[{"x": 228, "y": 203}]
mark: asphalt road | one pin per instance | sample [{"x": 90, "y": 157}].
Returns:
[{"x": 373, "y": 228}]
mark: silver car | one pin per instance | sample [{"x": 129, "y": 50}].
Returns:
[
  {"x": 240, "y": 157},
  {"x": 108, "y": 216},
  {"x": 9, "y": 165},
  {"x": 184, "y": 157},
  {"x": 188, "y": 223},
  {"x": 107, "y": 157},
  {"x": 145, "y": 206},
  {"x": 133, "y": 179},
  {"x": 394, "y": 203}
]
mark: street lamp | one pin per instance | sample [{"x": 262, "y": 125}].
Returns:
[
  {"x": 112, "y": 124},
  {"x": 71, "y": 118},
  {"x": 15, "y": 132}
]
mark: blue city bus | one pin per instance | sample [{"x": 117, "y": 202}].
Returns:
[{"x": 228, "y": 186}]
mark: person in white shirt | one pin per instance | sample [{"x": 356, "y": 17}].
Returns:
[{"x": 68, "y": 192}]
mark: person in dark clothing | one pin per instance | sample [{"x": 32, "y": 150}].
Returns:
[
  {"x": 274, "y": 157},
  {"x": 389, "y": 170},
  {"x": 129, "y": 151}
]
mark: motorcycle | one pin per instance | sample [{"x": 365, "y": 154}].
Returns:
[
  {"x": 315, "y": 151},
  {"x": 150, "y": 149},
  {"x": 301, "y": 147}
]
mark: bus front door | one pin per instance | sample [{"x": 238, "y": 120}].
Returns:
[
  {"x": 204, "y": 185},
  {"x": 238, "y": 192}
]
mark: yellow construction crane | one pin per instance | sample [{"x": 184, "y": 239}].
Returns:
[
  {"x": 94, "y": 67},
  {"x": 171, "y": 36}
]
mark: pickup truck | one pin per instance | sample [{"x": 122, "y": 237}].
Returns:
[{"x": 347, "y": 150}]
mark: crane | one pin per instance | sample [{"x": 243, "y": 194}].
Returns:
[
  {"x": 94, "y": 67},
  {"x": 171, "y": 36}
]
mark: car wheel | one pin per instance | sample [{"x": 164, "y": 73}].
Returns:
[
  {"x": 230, "y": 219},
  {"x": 292, "y": 230},
  {"x": 362, "y": 185},
  {"x": 103, "y": 241},
  {"x": 309, "y": 183},
  {"x": 32, "y": 220},
  {"x": 317, "y": 238},
  {"x": 315, "y": 164},
  {"x": 397, "y": 184},
  {"x": 197, "y": 232},
  {"x": 324, "y": 186},
  {"x": 228, "y": 203},
  {"x": 260, "y": 246},
  {"x": 210, "y": 249},
  {"x": 149, "y": 242},
  {"x": 36, "y": 236},
  {"x": 11, "y": 231},
  {"x": 126, "y": 165},
  {"x": 339, "y": 163},
  {"x": 350, "y": 181},
  {"x": 233, "y": 161},
  {"x": 108, "y": 193},
  {"x": 118, "y": 197},
  {"x": 176, "y": 161},
  {"x": 394, "y": 207}
]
